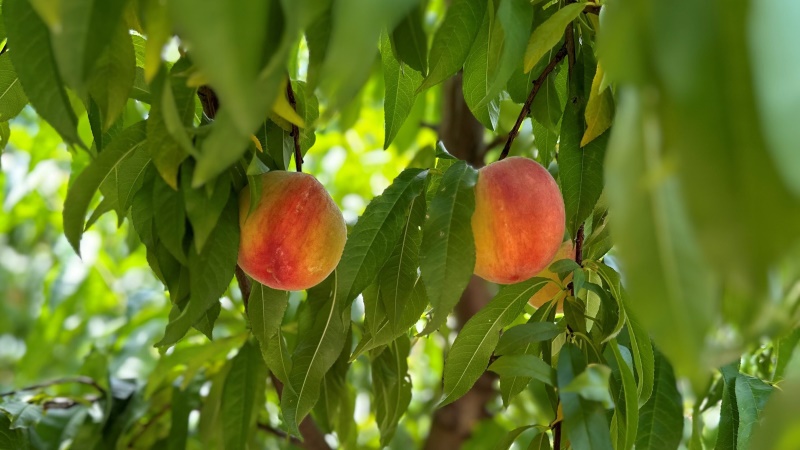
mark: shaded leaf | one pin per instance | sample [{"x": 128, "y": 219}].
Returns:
[
  {"x": 469, "y": 356},
  {"x": 392, "y": 386},
  {"x": 751, "y": 397},
  {"x": 36, "y": 67},
  {"x": 661, "y": 418},
  {"x": 265, "y": 309},
  {"x": 409, "y": 42},
  {"x": 12, "y": 97},
  {"x": 528, "y": 366},
  {"x": 247, "y": 372},
  {"x": 112, "y": 79},
  {"x": 88, "y": 182}
]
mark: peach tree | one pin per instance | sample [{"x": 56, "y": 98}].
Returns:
[{"x": 669, "y": 318}]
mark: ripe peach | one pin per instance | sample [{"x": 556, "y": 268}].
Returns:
[
  {"x": 295, "y": 235},
  {"x": 518, "y": 223},
  {"x": 549, "y": 290}
]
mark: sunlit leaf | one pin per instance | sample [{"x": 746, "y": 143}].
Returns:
[
  {"x": 453, "y": 39},
  {"x": 599, "y": 109},
  {"x": 12, "y": 97},
  {"x": 547, "y": 35},
  {"x": 401, "y": 82}
]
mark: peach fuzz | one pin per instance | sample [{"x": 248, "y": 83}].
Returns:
[
  {"x": 518, "y": 223},
  {"x": 294, "y": 237}
]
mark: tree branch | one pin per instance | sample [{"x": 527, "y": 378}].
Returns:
[
  {"x": 79, "y": 380},
  {"x": 557, "y": 436},
  {"x": 526, "y": 107},
  {"x": 244, "y": 285},
  {"x": 280, "y": 433},
  {"x": 298, "y": 154}
]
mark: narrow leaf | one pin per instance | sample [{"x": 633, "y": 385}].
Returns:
[
  {"x": 12, "y": 97},
  {"x": 661, "y": 418},
  {"x": 585, "y": 423},
  {"x": 453, "y": 40},
  {"x": 88, "y": 182},
  {"x": 528, "y": 366},
  {"x": 36, "y": 67},
  {"x": 409, "y": 42},
  {"x": 400, "y": 82},
  {"x": 469, "y": 356},
  {"x": 547, "y": 35},
  {"x": 599, "y": 109},
  {"x": 448, "y": 248},
  {"x": 265, "y": 309},
  {"x": 239, "y": 396}
]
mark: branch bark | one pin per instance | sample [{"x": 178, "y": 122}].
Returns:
[{"x": 78, "y": 380}]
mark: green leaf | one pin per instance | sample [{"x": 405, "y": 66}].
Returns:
[
  {"x": 180, "y": 408},
  {"x": 479, "y": 69},
  {"x": 86, "y": 28},
  {"x": 391, "y": 387},
  {"x": 729, "y": 180},
  {"x": 112, "y": 79},
  {"x": 204, "y": 211},
  {"x": 12, "y": 97},
  {"x": 210, "y": 273},
  {"x": 352, "y": 50},
  {"x": 514, "y": 21},
  {"x": 548, "y": 106},
  {"x": 386, "y": 331},
  {"x": 165, "y": 149},
  {"x": 580, "y": 169},
  {"x": 318, "y": 35},
  {"x": 545, "y": 140},
  {"x": 409, "y": 42},
  {"x": 336, "y": 407},
  {"x": 374, "y": 236},
  {"x": 316, "y": 351},
  {"x": 240, "y": 395},
  {"x": 520, "y": 336},
  {"x": 448, "y": 248},
  {"x": 751, "y": 397},
  {"x": 772, "y": 63},
  {"x": 512, "y": 386},
  {"x": 12, "y": 438},
  {"x": 399, "y": 274},
  {"x": 88, "y": 182},
  {"x": 158, "y": 28},
  {"x": 400, "y": 82},
  {"x": 265, "y": 309},
  {"x": 528, "y": 366},
  {"x": 592, "y": 384},
  {"x": 673, "y": 292},
  {"x": 629, "y": 409},
  {"x": 5, "y": 135},
  {"x": 643, "y": 358},
  {"x": 130, "y": 177},
  {"x": 585, "y": 423},
  {"x": 727, "y": 432},
  {"x": 661, "y": 418},
  {"x": 22, "y": 414},
  {"x": 453, "y": 40},
  {"x": 599, "y": 109},
  {"x": 36, "y": 67},
  {"x": 169, "y": 218},
  {"x": 278, "y": 358},
  {"x": 547, "y": 35},
  {"x": 228, "y": 41},
  {"x": 469, "y": 356}
]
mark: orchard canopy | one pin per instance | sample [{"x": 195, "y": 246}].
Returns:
[{"x": 520, "y": 224}]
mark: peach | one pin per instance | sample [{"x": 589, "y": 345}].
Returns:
[
  {"x": 550, "y": 290},
  {"x": 294, "y": 237},
  {"x": 518, "y": 223}
]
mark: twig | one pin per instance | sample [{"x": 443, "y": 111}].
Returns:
[
  {"x": 280, "y": 433},
  {"x": 526, "y": 108},
  {"x": 592, "y": 9},
  {"x": 150, "y": 422},
  {"x": 209, "y": 101},
  {"x": 79, "y": 380},
  {"x": 67, "y": 403},
  {"x": 298, "y": 154},
  {"x": 431, "y": 126},
  {"x": 579, "y": 246},
  {"x": 557, "y": 436}
]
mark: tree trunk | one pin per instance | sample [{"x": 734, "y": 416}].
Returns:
[{"x": 462, "y": 135}]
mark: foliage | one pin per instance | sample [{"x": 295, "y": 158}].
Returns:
[{"x": 666, "y": 125}]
